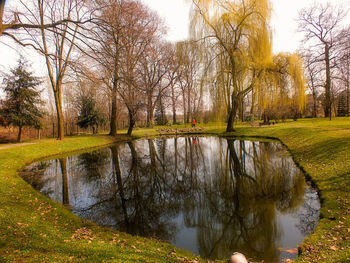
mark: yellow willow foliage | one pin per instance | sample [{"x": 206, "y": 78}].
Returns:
[
  {"x": 283, "y": 84},
  {"x": 238, "y": 35},
  {"x": 238, "y": 28},
  {"x": 260, "y": 48},
  {"x": 297, "y": 75}
]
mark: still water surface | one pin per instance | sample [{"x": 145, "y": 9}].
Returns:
[{"x": 209, "y": 195}]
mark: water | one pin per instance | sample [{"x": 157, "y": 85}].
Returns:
[{"x": 209, "y": 195}]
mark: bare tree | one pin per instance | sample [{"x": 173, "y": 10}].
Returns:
[
  {"x": 51, "y": 28},
  {"x": 321, "y": 26},
  {"x": 343, "y": 67},
  {"x": 313, "y": 70},
  {"x": 146, "y": 27},
  {"x": 188, "y": 57},
  {"x": 172, "y": 76},
  {"x": 105, "y": 46},
  {"x": 153, "y": 69}
]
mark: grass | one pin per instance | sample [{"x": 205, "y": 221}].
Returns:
[
  {"x": 322, "y": 148},
  {"x": 34, "y": 228}
]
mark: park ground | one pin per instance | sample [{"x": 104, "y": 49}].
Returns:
[{"x": 36, "y": 229}]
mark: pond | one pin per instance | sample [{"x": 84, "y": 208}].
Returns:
[{"x": 210, "y": 195}]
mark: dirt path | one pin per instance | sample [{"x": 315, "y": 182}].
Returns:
[{"x": 8, "y": 146}]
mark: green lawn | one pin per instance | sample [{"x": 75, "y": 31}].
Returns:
[
  {"x": 34, "y": 228},
  {"x": 322, "y": 148}
]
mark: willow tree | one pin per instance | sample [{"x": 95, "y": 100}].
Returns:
[{"x": 240, "y": 40}]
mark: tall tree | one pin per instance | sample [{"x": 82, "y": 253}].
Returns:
[
  {"x": 124, "y": 33},
  {"x": 343, "y": 66},
  {"x": 321, "y": 26},
  {"x": 172, "y": 76},
  {"x": 239, "y": 37},
  {"x": 313, "y": 70},
  {"x": 22, "y": 104},
  {"x": 52, "y": 29},
  {"x": 15, "y": 22},
  {"x": 188, "y": 59},
  {"x": 153, "y": 69},
  {"x": 146, "y": 27},
  {"x": 110, "y": 24}
]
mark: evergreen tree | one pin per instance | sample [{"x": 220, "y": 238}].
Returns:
[
  {"x": 160, "y": 114},
  {"x": 21, "y": 106},
  {"x": 89, "y": 115},
  {"x": 342, "y": 107}
]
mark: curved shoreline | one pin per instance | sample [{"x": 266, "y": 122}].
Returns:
[{"x": 46, "y": 233}]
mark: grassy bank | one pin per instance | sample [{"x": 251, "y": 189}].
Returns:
[
  {"x": 35, "y": 229},
  {"x": 322, "y": 148}
]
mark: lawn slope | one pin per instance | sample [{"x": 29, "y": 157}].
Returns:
[
  {"x": 322, "y": 148},
  {"x": 36, "y": 229}
]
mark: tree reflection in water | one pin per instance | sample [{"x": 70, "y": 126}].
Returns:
[{"x": 235, "y": 194}]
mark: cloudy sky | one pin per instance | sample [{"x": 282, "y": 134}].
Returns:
[{"x": 175, "y": 14}]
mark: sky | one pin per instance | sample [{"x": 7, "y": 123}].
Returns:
[
  {"x": 175, "y": 14},
  {"x": 285, "y": 12}
]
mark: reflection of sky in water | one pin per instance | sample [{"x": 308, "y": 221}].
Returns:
[
  {"x": 212, "y": 198},
  {"x": 186, "y": 237}
]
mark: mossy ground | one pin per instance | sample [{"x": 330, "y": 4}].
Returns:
[{"x": 36, "y": 229}]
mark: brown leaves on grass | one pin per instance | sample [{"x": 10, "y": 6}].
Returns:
[
  {"x": 184, "y": 130},
  {"x": 135, "y": 249},
  {"x": 83, "y": 234},
  {"x": 182, "y": 259},
  {"x": 334, "y": 248},
  {"x": 289, "y": 250}
]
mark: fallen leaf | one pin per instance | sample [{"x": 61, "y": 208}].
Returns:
[
  {"x": 289, "y": 250},
  {"x": 334, "y": 248}
]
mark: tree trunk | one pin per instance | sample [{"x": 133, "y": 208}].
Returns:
[
  {"x": 314, "y": 111},
  {"x": 65, "y": 192},
  {"x": 173, "y": 100},
  {"x": 19, "y": 136},
  {"x": 163, "y": 119},
  {"x": 131, "y": 123},
  {"x": 113, "y": 126},
  {"x": 242, "y": 110},
  {"x": 149, "y": 120},
  {"x": 2, "y": 6},
  {"x": 232, "y": 115},
  {"x": 252, "y": 109},
  {"x": 115, "y": 159},
  {"x": 347, "y": 89},
  {"x": 184, "y": 105},
  {"x": 58, "y": 102},
  {"x": 267, "y": 118},
  {"x": 328, "y": 102},
  {"x": 189, "y": 115},
  {"x": 174, "y": 115}
]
